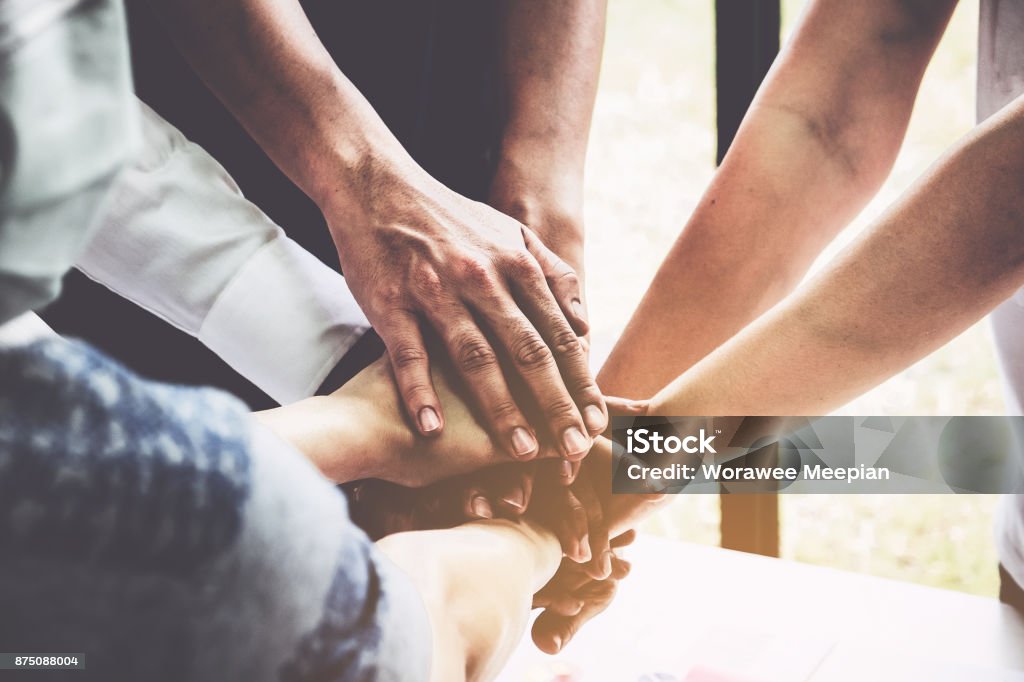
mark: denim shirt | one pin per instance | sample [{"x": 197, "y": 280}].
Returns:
[{"x": 163, "y": 535}]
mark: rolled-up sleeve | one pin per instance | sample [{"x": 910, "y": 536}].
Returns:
[{"x": 180, "y": 240}]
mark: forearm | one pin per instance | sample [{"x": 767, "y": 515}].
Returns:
[
  {"x": 946, "y": 254},
  {"x": 341, "y": 437},
  {"x": 477, "y": 582},
  {"x": 265, "y": 62},
  {"x": 819, "y": 139},
  {"x": 551, "y": 59}
]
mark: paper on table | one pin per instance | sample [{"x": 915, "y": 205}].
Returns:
[
  {"x": 738, "y": 655},
  {"x": 722, "y": 654},
  {"x": 848, "y": 663}
]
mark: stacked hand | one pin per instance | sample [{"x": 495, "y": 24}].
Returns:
[
  {"x": 576, "y": 593},
  {"x": 503, "y": 306},
  {"x": 415, "y": 482},
  {"x": 583, "y": 515}
]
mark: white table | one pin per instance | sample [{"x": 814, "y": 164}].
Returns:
[{"x": 691, "y": 613}]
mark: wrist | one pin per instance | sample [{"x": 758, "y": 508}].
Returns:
[
  {"x": 373, "y": 413},
  {"x": 523, "y": 548},
  {"x": 356, "y": 180},
  {"x": 336, "y": 433},
  {"x": 547, "y": 200}
]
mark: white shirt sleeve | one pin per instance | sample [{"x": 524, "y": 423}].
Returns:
[
  {"x": 23, "y": 330},
  {"x": 180, "y": 240}
]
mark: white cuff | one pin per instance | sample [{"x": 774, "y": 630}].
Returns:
[
  {"x": 180, "y": 240},
  {"x": 284, "y": 321}
]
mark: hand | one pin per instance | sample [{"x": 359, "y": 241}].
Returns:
[
  {"x": 548, "y": 202},
  {"x": 476, "y": 582},
  {"x": 361, "y": 431},
  {"x": 584, "y": 514},
  {"x": 422, "y": 253},
  {"x": 572, "y": 598},
  {"x": 381, "y": 508}
]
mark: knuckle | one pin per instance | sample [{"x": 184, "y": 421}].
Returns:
[
  {"x": 530, "y": 351},
  {"x": 406, "y": 357},
  {"x": 427, "y": 282},
  {"x": 560, "y": 408},
  {"x": 476, "y": 273},
  {"x": 474, "y": 354},
  {"x": 520, "y": 264},
  {"x": 566, "y": 279},
  {"x": 417, "y": 394},
  {"x": 613, "y": 589},
  {"x": 503, "y": 409},
  {"x": 391, "y": 295},
  {"x": 586, "y": 391},
  {"x": 566, "y": 344}
]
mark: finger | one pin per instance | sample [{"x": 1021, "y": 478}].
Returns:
[
  {"x": 509, "y": 487},
  {"x": 377, "y": 513},
  {"x": 410, "y": 362},
  {"x": 515, "y": 489},
  {"x": 625, "y": 407},
  {"x": 569, "y": 579},
  {"x": 572, "y": 528},
  {"x": 600, "y": 564},
  {"x": 477, "y": 364},
  {"x": 566, "y": 604},
  {"x": 570, "y": 471},
  {"x": 569, "y": 353},
  {"x": 552, "y": 631},
  {"x": 562, "y": 280},
  {"x": 475, "y": 504},
  {"x": 585, "y": 342},
  {"x": 623, "y": 539},
  {"x": 534, "y": 362},
  {"x": 449, "y": 503},
  {"x": 620, "y": 568}
]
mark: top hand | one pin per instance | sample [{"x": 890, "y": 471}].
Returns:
[{"x": 424, "y": 253}]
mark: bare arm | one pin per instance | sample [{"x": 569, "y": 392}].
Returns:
[
  {"x": 941, "y": 258},
  {"x": 413, "y": 251},
  {"x": 821, "y": 136},
  {"x": 945, "y": 255},
  {"x": 551, "y": 59},
  {"x": 477, "y": 582}
]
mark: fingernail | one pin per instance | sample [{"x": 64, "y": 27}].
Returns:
[
  {"x": 606, "y": 563},
  {"x": 429, "y": 421},
  {"x": 577, "y": 308},
  {"x": 557, "y": 642},
  {"x": 565, "y": 468},
  {"x": 575, "y": 442},
  {"x": 482, "y": 508},
  {"x": 523, "y": 442},
  {"x": 593, "y": 417},
  {"x": 516, "y": 498}
]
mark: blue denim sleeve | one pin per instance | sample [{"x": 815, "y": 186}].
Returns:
[{"x": 159, "y": 532}]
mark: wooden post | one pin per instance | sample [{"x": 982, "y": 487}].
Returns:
[{"x": 747, "y": 41}]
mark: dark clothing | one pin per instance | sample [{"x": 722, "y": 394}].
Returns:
[
  {"x": 429, "y": 69},
  {"x": 1010, "y": 592}
]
